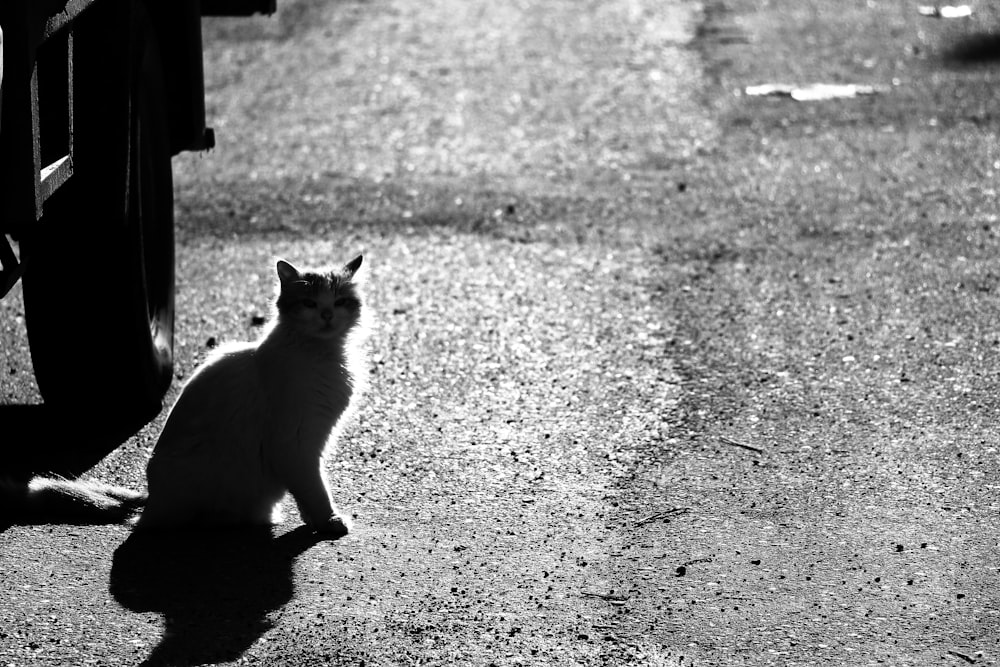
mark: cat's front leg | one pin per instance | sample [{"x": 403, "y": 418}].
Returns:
[
  {"x": 337, "y": 525},
  {"x": 309, "y": 488}
]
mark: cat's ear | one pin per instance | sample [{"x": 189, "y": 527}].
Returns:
[
  {"x": 287, "y": 272},
  {"x": 352, "y": 267}
]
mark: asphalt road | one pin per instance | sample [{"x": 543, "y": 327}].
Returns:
[{"x": 662, "y": 374}]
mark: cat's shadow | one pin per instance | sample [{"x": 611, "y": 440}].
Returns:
[{"x": 214, "y": 589}]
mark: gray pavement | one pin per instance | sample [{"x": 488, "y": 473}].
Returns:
[{"x": 615, "y": 416}]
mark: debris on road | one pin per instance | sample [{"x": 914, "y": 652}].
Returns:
[
  {"x": 815, "y": 92},
  {"x": 945, "y": 11}
]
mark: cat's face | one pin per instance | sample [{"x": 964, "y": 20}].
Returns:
[{"x": 321, "y": 305}]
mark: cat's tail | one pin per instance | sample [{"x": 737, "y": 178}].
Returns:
[{"x": 58, "y": 500}]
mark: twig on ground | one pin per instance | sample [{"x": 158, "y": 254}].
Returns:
[
  {"x": 968, "y": 658},
  {"x": 696, "y": 561},
  {"x": 736, "y": 443},
  {"x": 616, "y": 600},
  {"x": 665, "y": 514}
]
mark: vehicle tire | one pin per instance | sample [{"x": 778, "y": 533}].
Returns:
[{"x": 99, "y": 280}]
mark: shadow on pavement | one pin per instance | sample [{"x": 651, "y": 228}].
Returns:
[
  {"x": 973, "y": 50},
  {"x": 294, "y": 18},
  {"x": 214, "y": 589},
  {"x": 39, "y": 439}
]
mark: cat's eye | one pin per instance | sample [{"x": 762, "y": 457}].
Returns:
[{"x": 309, "y": 303}]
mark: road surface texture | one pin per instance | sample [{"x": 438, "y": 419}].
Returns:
[{"x": 663, "y": 373}]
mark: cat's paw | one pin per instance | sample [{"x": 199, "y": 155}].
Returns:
[{"x": 335, "y": 526}]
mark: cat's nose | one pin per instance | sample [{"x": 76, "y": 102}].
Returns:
[{"x": 326, "y": 314}]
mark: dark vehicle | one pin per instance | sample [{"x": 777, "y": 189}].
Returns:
[{"x": 96, "y": 97}]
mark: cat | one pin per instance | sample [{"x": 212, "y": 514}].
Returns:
[{"x": 250, "y": 425}]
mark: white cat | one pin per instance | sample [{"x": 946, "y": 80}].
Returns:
[{"x": 251, "y": 424}]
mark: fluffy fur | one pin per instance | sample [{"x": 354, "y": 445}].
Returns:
[
  {"x": 253, "y": 422},
  {"x": 72, "y": 501}
]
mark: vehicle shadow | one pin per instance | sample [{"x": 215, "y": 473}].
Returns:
[
  {"x": 978, "y": 49},
  {"x": 215, "y": 589},
  {"x": 40, "y": 439}
]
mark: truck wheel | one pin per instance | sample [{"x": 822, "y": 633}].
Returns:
[{"x": 99, "y": 280}]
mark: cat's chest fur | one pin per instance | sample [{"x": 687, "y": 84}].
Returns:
[{"x": 305, "y": 387}]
